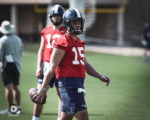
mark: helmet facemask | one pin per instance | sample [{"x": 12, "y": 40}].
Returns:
[
  {"x": 73, "y": 15},
  {"x": 74, "y": 29},
  {"x": 78, "y": 28}
]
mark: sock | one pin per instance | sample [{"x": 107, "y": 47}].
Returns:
[{"x": 35, "y": 118}]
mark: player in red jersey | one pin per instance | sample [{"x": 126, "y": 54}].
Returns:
[
  {"x": 48, "y": 36},
  {"x": 69, "y": 58}
]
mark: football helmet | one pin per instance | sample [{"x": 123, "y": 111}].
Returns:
[
  {"x": 73, "y": 15},
  {"x": 56, "y": 10}
]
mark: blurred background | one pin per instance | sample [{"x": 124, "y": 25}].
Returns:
[
  {"x": 111, "y": 26},
  {"x": 107, "y": 22}
]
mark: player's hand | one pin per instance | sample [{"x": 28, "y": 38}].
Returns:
[
  {"x": 105, "y": 79},
  {"x": 40, "y": 96}
]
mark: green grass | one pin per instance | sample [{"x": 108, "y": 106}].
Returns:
[
  {"x": 31, "y": 46},
  {"x": 127, "y": 97}
]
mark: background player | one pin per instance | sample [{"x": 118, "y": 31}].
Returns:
[
  {"x": 146, "y": 40},
  {"x": 47, "y": 39},
  {"x": 68, "y": 55}
]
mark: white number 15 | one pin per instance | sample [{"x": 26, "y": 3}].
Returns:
[{"x": 76, "y": 61}]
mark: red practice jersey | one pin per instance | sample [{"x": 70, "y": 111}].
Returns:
[
  {"x": 72, "y": 64},
  {"x": 49, "y": 35}
]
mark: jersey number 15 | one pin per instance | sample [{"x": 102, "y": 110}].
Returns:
[{"x": 76, "y": 50}]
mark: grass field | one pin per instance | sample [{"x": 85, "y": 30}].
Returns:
[{"x": 127, "y": 97}]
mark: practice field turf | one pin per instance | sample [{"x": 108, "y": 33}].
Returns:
[{"x": 127, "y": 97}]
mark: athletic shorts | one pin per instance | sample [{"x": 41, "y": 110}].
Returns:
[
  {"x": 10, "y": 74},
  {"x": 72, "y": 99},
  {"x": 53, "y": 80}
]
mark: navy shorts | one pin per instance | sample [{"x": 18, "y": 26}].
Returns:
[
  {"x": 10, "y": 74},
  {"x": 53, "y": 80},
  {"x": 72, "y": 99}
]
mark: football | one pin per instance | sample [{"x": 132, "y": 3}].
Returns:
[{"x": 32, "y": 91}]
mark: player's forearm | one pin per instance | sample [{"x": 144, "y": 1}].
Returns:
[
  {"x": 56, "y": 58},
  {"x": 40, "y": 53},
  {"x": 48, "y": 76},
  {"x": 91, "y": 71},
  {"x": 39, "y": 59}
]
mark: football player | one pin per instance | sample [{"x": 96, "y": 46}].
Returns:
[
  {"x": 69, "y": 58},
  {"x": 46, "y": 46},
  {"x": 146, "y": 40}
]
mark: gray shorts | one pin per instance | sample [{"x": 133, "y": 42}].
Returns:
[{"x": 53, "y": 80}]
